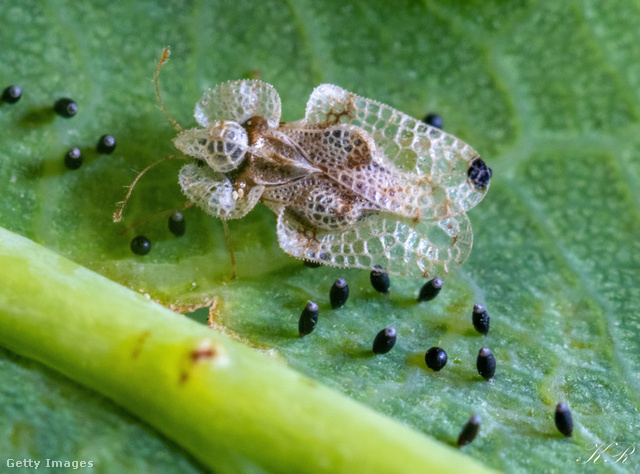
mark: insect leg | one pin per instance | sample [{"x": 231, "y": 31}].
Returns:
[{"x": 227, "y": 239}]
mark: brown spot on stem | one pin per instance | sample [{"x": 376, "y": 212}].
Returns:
[
  {"x": 204, "y": 352},
  {"x": 207, "y": 352},
  {"x": 139, "y": 343}
]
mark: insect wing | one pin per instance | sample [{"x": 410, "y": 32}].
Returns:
[
  {"x": 222, "y": 145},
  {"x": 398, "y": 245},
  {"x": 214, "y": 193},
  {"x": 409, "y": 144},
  {"x": 348, "y": 155},
  {"x": 238, "y": 101}
]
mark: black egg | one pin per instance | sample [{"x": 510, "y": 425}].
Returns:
[
  {"x": 106, "y": 144},
  {"x": 436, "y": 358},
  {"x": 480, "y": 319},
  {"x": 434, "y": 120},
  {"x": 430, "y": 289},
  {"x": 339, "y": 293},
  {"x": 384, "y": 341},
  {"x": 380, "y": 279},
  {"x": 469, "y": 430},
  {"x": 65, "y": 107},
  {"x": 11, "y": 94},
  {"x": 308, "y": 319},
  {"x": 563, "y": 419},
  {"x": 140, "y": 245},
  {"x": 73, "y": 159},
  {"x": 177, "y": 224},
  {"x": 486, "y": 363}
]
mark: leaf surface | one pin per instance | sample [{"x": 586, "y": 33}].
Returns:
[{"x": 547, "y": 92}]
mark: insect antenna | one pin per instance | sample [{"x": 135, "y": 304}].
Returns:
[
  {"x": 227, "y": 238},
  {"x": 163, "y": 59},
  {"x": 117, "y": 216}
]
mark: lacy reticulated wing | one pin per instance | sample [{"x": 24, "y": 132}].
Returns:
[{"x": 355, "y": 183}]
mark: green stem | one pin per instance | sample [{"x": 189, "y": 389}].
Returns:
[{"x": 230, "y": 406}]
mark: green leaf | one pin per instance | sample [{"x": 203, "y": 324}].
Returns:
[
  {"x": 231, "y": 407},
  {"x": 546, "y": 91}
]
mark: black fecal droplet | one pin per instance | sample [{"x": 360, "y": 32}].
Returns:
[
  {"x": 140, "y": 245},
  {"x": 65, "y": 107},
  {"x": 380, "y": 279},
  {"x": 384, "y": 341},
  {"x": 430, "y": 289},
  {"x": 479, "y": 173},
  {"x": 177, "y": 224},
  {"x": 11, "y": 94},
  {"x": 434, "y": 120},
  {"x": 564, "y": 421},
  {"x": 73, "y": 159},
  {"x": 308, "y": 319},
  {"x": 470, "y": 430},
  {"x": 436, "y": 358},
  {"x": 486, "y": 363},
  {"x": 106, "y": 144},
  {"x": 310, "y": 264},
  {"x": 480, "y": 319},
  {"x": 339, "y": 293}
]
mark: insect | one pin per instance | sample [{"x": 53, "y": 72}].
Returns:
[{"x": 355, "y": 183}]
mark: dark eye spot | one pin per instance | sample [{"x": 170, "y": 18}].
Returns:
[
  {"x": 479, "y": 173},
  {"x": 65, "y": 107},
  {"x": 202, "y": 141},
  {"x": 235, "y": 154}
]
